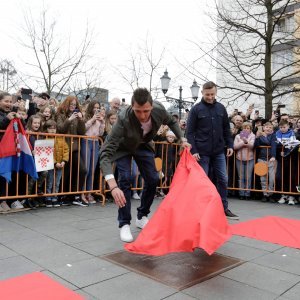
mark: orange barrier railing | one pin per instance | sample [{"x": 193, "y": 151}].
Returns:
[
  {"x": 74, "y": 180},
  {"x": 20, "y": 186}
]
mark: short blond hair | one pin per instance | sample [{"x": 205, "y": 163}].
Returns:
[{"x": 246, "y": 124}]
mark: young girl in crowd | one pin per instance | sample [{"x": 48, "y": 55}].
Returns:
[
  {"x": 69, "y": 120},
  {"x": 46, "y": 114},
  {"x": 61, "y": 157},
  {"x": 244, "y": 143},
  {"x": 94, "y": 124},
  {"x": 110, "y": 120},
  {"x": 33, "y": 128}
]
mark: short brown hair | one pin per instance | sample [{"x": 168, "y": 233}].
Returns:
[
  {"x": 49, "y": 123},
  {"x": 209, "y": 85},
  {"x": 268, "y": 124},
  {"x": 283, "y": 122}
]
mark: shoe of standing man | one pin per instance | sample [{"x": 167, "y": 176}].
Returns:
[{"x": 231, "y": 215}]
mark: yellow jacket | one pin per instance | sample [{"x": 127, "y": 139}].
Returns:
[{"x": 61, "y": 150}]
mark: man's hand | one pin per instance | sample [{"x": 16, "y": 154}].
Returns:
[
  {"x": 184, "y": 143},
  {"x": 116, "y": 193},
  {"x": 196, "y": 156},
  {"x": 119, "y": 197},
  {"x": 229, "y": 152}
]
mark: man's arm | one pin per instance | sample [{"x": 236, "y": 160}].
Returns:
[{"x": 191, "y": 129}]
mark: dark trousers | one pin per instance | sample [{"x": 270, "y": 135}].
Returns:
[{"x": 145, "y": 161}]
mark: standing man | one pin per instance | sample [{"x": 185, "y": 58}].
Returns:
[
  {"x": 131, "y": 137},
  {"x": 208, "y": 131}
]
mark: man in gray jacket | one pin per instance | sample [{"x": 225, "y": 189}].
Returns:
[{"x": 131, "y": 137}]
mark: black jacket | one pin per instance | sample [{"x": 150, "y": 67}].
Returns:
[
  {"x": 208, "y": 129},
  {"x": 127, "y": 135}
]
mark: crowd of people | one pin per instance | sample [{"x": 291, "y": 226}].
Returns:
[
  {"x": 273, "y": 142},
  {"x": 43, "y": 118},
  {"x": 246, "y": 133}
]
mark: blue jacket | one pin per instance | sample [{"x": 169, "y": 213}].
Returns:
[
  {"x": 266, "y": 153},
  {"x": 208, "y": 129}
]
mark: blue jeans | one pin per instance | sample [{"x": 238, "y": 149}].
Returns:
[
  {"x": 89, "y": 155},
  {"x": 244, "y": 170},
  {"x": 218, "y": 164},
  {"x": 50, "y": 182},
  {"x": 145, "y": 161}
]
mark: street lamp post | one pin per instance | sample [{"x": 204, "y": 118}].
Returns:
[{"x": 180, "y": 103}]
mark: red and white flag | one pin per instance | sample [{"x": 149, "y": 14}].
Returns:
[{"x": 43, "y": 155}]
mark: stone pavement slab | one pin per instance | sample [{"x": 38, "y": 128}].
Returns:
[
  {"x": 293, "y": 293},
  {"x": 241, "y": 251},
  {"x": 6, "y": 253},
  {"x": 263, "y": 278},
  {"x": 129, "y": 286},
  {"x": 226, "y": 289},
  {"x": 280, "y": 262},
  {"x": 88, "y": 272},
  {"x": 16, "y": 266}
]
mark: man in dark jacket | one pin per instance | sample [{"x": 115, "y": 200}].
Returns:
[
  {"x": 131, "y": 137},
  {"x": 208, "y": 132}
]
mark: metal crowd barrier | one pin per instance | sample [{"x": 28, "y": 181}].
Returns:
[{"x": 167, "y": 157}]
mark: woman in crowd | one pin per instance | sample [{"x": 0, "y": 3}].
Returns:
[
  {"x": 70, "y": 121},
  {"x": 94, "y": 124},
  {"x": 244, "y": 143}
]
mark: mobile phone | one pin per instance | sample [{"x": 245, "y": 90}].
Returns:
[
  {"x": 26, "y": 94},
  {"x": 14, "y": 109},
  {"x": 244, "y": 134},
  {"x": 76, "y": 110}
]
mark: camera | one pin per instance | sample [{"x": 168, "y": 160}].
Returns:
[
  {"x": 257, "y": 112},
  {"x": 14, "y": 109},
  {"x": 26, "y": 94}
]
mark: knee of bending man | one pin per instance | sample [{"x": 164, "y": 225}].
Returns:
[{"x": 153, "y": 179}]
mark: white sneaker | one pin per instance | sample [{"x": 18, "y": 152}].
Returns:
[
  {"x": 142, "y": 222},
  {"x": 125, "y": 234},
  {"x": 291, "y": 200},
  {"x": 282, "y": 200},
  {"x": 4, "y": 206},
  {"x": 136, "y": 196},
  {"x": 17, "y": 205}
]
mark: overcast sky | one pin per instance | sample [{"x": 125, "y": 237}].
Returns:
[{"x": 119, "y": 26}]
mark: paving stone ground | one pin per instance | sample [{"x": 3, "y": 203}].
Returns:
[{"x": 65, "y": 243}]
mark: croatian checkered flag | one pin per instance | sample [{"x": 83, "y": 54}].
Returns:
[{"x": 43, "y": 155}]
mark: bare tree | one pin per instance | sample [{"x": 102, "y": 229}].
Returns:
[
  {"x": 55, "y": 60},
  {"x": 256, "y": 51},
  {"x": 8, "y": 73},
  {"x": 142, "y": 67}
]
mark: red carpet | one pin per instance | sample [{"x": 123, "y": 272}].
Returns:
[
  {"x": 191, "y": 216},
  {"x": 277, "y": 230},
  {"x": 35, "y": 286}
]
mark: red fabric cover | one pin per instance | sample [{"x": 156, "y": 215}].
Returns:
[
  {"x": 191, "y": 216},
  {"x": 35, "y": 286},
  {"x": 282, "y": 231}
]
